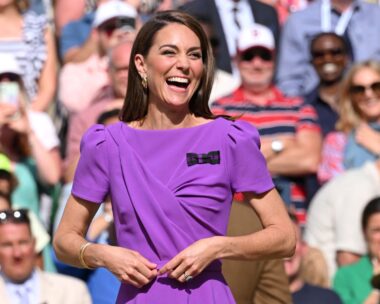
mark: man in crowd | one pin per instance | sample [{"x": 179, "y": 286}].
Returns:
[
  {"x": 20, "y": 280},
  {"x": 290, "y": 136}
]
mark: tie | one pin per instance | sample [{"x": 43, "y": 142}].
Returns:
[
  {"x": 22, "y": 293},
  {"x": 235, "y": 11}
]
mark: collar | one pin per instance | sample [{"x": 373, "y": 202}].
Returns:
[{"x": 277, "y": 95}]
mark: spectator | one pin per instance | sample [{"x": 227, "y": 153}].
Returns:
[
  {"x": 28, "y": 37},
  {"x": 330, "y": 60},
  {"x": 356, "y": 21},
  {"x": 303, "y": 292},
  {"x": 353, "y": 282},
  {"x": 21, "y": 281},
  {"x": 333, "y": 223},
  {"x": 290, "y": 137},
  {"x": 357, "y": 138},
  {"x": 228, "y": 18},
  {"x": 114, "y": 21}
]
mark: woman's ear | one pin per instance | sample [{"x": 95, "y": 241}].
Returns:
[{"x": 140, "y": 65}]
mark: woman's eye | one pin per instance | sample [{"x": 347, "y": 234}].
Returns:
[
  {"x": 168, "y": 52},
  {"x": 196, "y": 55}
]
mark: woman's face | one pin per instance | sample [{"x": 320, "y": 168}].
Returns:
[
  {"x": 173, "y": 67},
  {"x": 372, "y": 235},
  {"x": 365, "y": 92}
]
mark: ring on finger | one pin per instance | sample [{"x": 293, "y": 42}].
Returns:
[{"x": 187, "y": 277}]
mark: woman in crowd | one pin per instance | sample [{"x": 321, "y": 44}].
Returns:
[
  {"x": 358, "y": 137},
  {"x": 171, "y": 169},
  {"x": 353, "y": 282},
  {"x": 29, "y": 37}
]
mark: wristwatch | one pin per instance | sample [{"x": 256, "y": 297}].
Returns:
[{"x": 277, "y": 146}]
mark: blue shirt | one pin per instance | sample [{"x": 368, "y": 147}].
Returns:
[
  {"x": 315, "y": 295},
  {"x": 296, "y": 76}
]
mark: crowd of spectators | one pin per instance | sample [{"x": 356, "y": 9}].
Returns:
[{"x": 305, "y": 73}]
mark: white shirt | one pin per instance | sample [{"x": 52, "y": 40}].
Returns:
[
  {"x": 43, "y": 127},
  {"x": 31, "y": 285}
]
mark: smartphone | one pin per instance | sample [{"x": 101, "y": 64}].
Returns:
[{"x": 9, "y": 93}]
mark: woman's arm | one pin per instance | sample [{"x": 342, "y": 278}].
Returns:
[
  {"x": 127, "y": 265},
  {"x": 276, "y": 240},
  {"x": 47, "y": 82}
]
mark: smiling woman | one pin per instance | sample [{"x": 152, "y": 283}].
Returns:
[{"x": 171, "y": 169}]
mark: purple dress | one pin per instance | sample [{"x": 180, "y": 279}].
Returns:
[{"x": 170, "y": 188}]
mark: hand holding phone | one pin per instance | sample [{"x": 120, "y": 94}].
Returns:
[{"x": 9, "y": 93}]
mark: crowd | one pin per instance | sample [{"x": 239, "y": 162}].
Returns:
[{"x": 306, "y": 74}]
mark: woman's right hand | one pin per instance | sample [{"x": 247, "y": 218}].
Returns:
[
  {"x": 7, "y": 111},
  {"x": 129, "y": 266}
]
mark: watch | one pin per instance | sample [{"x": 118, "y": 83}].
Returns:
[{"x": 277, "y": 146}]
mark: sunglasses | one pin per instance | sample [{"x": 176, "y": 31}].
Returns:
[
  {"x": 332, "y": 52},
  {"x": 14, "y": 216},
  {"x": 117, "y": 23},
  {"x": 262, "y": 53},
  {"x": 359, "y": 90},
  {"x": 9, "y": 77}
]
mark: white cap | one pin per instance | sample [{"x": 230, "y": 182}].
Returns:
[
  {"x": 9, "y": 64},
  {"x": 256, "y": 35},
  {"x": 113, "y": 9}
]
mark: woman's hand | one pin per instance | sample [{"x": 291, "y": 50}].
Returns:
[
  {"x": 368, "y": 138},
  {"x": 192, "y": 260},
  {"x": 129, "y": 266},
  {"x": 7, "y": 112}
]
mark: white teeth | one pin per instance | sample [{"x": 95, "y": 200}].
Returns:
[
  {"x": 330, "y": 67},
  {"x": 179, "y": 79}
]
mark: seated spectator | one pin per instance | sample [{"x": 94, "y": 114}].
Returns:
[
  {"x": 27, "y": 137},
  {"x": 353, "y": 282},
  {"x": 28, "y": 37},
  {"x": 114, "y": 21},
  {"x": 20, "y": 280},
  {"x": 356, "y": 21},
  {"x": 333, "y": 219},
  {"x": 259, "y": 282},
  {"x": 290, "y": 136},
  {"x": 357, "y": 138},
  {"x": 303, "y": 292}
]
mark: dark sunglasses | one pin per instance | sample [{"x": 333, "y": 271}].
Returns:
[
  {"x": 10, "y": 77},
  {"x": 117, "y": 23},
  {"x": 262, "y": 53},
  {"x": 331, "y": 52},
  {"x": 359, "y": 90},
  {"x": 14, "y": 216}
]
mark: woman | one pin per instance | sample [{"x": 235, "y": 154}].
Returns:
[
  {"x": 353, "y": 282},
  {"x": 358, "y": 137},
  {"x": 29, "y": 37},
  {"x": 171, "y": 169}
]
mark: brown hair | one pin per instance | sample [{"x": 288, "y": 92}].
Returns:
[
  {"x": 349, "y": 114},
  {"x": 136, "y": 102},
  {"x": 22, "y": 5}
]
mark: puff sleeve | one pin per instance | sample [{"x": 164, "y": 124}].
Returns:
[
  {"x": 91, "y": 181},
  {"x": 246, "y": 164}
]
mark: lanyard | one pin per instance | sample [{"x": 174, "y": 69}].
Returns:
[{"x": 343, "y": 21}]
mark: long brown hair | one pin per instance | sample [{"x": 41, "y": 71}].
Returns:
[
  {"x": 136, "y": 102},
  {"x": 349, "y": 114}
]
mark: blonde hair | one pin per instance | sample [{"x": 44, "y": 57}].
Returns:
[{"x": 349, "y": 113}]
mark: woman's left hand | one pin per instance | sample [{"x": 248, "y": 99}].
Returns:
[
  {"x": 192, "y": 260},
  {"x": 368, "y": 138}
]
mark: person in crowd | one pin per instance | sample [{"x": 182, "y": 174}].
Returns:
[
  {"x": 333, "y": 221},
  {"x": 114, "y": 21},
  {"x": 171, "y": 235},
  {"x": 353, "y": 282},
  {"x": 330, "y": 60},
  {"x": 112, "y": 96},
  {"x": 356, "y": 21},
  {"x": 29, "y": 37},
  {"x": 259, "y": 282},
  {"x": 20, "y": 280},
  {"x": 290, "y": 136},
  {"x": 27, "y": 137},
  {"x": 228, "y": 18},
  {"x": 357, "y": 138},
  {"x": 303, "y": 292}
]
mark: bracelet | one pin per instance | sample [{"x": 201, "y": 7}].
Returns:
[{"x": 82, "y": 249}]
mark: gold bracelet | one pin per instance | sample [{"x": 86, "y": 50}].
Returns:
[{"x": 82, "y": 249}]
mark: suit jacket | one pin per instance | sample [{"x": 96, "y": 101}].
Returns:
[
  {"x": 55, "y": 289},
  {"x": 258, "y": 282},
  {"x": 262, "y": 13}
]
